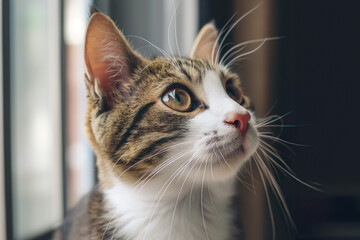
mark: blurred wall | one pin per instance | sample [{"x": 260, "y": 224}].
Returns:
[
  {"x": 80, "y": 166},
  {"x": 318, "y": 80},
  {"x": 256, "y": 72},
  {"x": 157, "y": 22}
]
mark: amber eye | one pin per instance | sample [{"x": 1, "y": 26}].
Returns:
[
  {"x": 234, "y": 93},
  {"x": 178, "y": 99}
]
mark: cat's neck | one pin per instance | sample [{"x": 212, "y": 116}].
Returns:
[{"x": 183, "y": 212}]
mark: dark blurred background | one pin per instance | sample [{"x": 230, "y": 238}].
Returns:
[
  {"x": 310, "y": 75},
  {"x": 317, "y": 77}
]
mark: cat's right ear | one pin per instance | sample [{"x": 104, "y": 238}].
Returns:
[
  {"x": 109, "y": 60},
  {"x": 206, "y": 44}
]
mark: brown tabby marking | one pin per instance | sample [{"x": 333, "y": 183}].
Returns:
[{"x": 141, "y": 126}]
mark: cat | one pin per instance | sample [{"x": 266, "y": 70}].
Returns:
[{"x": 170, "y": 135}]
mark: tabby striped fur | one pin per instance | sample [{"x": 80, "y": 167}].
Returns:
[{"x": 163, "y": 174}]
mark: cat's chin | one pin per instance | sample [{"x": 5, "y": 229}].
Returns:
[
  {"x": 218, "y": 169},
  {"x": 231, "y": 162},
  {"x": 221, "y": 171}
]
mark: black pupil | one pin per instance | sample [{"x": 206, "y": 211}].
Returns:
[
  {"x": 242, "y": 101},
  {"x": 177, "y": 96},
  {"x": 233, "y": 93}
]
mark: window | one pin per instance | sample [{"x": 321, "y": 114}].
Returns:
[
  {"x": 38, "y": 156},
  {"x": 35, "y": 116}
]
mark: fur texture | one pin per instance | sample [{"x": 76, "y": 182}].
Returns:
[{"x": 164, "y": 172}]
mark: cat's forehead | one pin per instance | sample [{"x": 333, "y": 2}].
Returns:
[{"x": 188, "y": 70}]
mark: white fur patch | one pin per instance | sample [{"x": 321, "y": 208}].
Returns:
[{"x": 204, "y": 215}]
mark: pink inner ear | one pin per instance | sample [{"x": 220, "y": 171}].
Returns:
[
  {"x": 107, "y": 55},
  {"x": 109, "y": 77},
  {"x": 112, "y": 68},
  {"x": 206, "y": 45}
]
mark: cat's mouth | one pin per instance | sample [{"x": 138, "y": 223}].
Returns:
[
  {"x": 228, "y": 155},
  {"x": 220, "y": 147}
]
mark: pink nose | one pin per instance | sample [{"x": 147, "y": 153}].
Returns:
[{"x": 238, "y": 120}]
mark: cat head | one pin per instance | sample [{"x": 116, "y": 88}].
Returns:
[{"x": 184, "y": 118}]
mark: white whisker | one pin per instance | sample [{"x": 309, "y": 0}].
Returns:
[
  {"x": 157, "y": 61},
  {"x": 167, "y": 184},
  {"x": 232, "y": 27},
  {"x": 278, "y": 194},
  {"x": 181, "y": 188},
  {"x": 169, "y": 26},
  {"x": 212, "y": 201},
  {"x": 175, "y": 30},
  {"x": 284, "y": 141},
  {"x": 162, "y": 51},
  {"x": 247, "y": 53},
  {"x": 107, "y": 226},
  {"x": 147, "y": 158},
  {"x": 229, "y": 53},
  {"x": 192, "y": 186},
  {"x": 285, "y": 169},
  {"x": 270, "y": 119},
  {"x": 267, "y": 197},
  {"x": 222, "y": 159},
  {"x": 161, "y": 167},
  {"x": 202, "y": 202},
  {"x": 217, "y": 40}
]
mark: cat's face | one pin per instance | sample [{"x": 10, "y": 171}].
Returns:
[{"x": 178, "y": 118}]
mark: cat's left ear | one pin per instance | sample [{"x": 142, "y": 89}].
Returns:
[
  {"x": 109, "y": 59},
  {"x": 206, "y": 45}
]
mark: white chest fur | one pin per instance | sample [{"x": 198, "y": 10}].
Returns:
[{"x": 199, "y": 213}]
